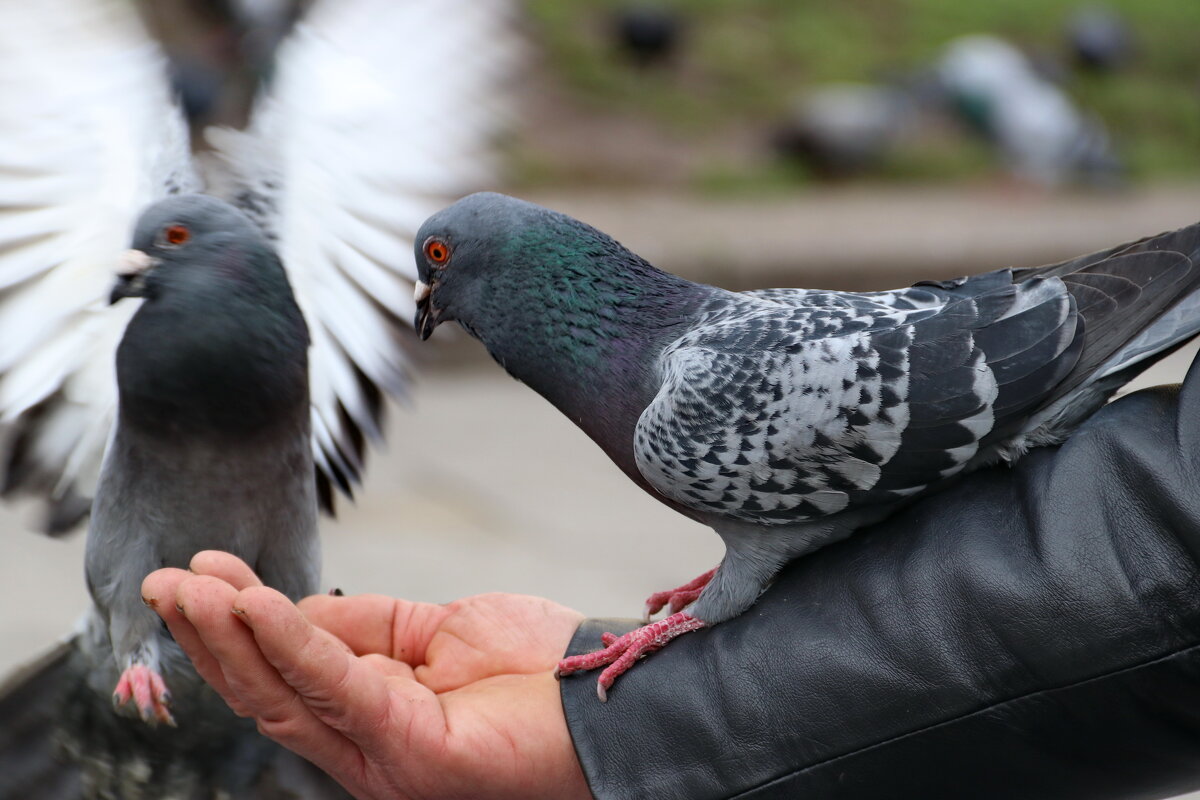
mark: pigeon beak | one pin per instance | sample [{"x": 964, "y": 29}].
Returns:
[
  {"x": 427, "y": 316},
  {"x": 421, "y": 292},
  {"x": 132, "y": 268}
]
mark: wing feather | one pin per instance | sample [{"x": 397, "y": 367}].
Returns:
[
  {"x": 786, "y": 409},
  {"x": 380, "y": 112},
  {"x": 91, "y": 137}
]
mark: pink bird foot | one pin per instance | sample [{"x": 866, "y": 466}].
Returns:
[
  {"x": 148, "y": 691},
  {"x": 620, "y": 652},
  {"x": 678, "y": 598}
]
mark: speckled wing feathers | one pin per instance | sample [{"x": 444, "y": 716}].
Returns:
[{"x": 781, "y": 407}]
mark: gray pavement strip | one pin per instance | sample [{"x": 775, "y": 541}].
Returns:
[{"x": 870, "y": 237}]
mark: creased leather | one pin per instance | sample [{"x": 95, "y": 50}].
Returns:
[{"x": 1029, "y": 632}]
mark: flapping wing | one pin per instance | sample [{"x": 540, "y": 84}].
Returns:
[
  {"x": 91, "y": 136},
  {"x": 776, "y": 415},
  {"x": 380, "y": 112}
]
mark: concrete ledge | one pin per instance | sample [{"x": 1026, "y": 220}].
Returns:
[{"x": 871, "y": 237}]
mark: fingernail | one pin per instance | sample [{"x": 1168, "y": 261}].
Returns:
[
  {"x": 150, "y": 601},
  {"x": 180, "y": 609},
  {"x": 241, "y": 612}
]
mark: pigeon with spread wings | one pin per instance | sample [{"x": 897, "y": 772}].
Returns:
[
  {"x": 343, "y": 158},
  {"x": 346, "y": 153}
]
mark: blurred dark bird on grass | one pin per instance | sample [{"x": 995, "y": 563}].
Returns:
[
  {"x": 1100, "y": 39},
  {"x": 647, "y": 34}
]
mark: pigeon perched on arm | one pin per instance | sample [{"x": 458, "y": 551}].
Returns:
[{"x": 786, "y": 419}]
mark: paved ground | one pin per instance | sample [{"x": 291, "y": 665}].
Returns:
[{"x": 486, "y": 487}]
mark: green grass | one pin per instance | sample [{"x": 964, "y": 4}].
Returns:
[{"x": 744, "y": 60}]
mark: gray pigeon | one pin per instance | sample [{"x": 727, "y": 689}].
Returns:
[
  {"x": 211, "y": 449},
  {"x": 786, "y": 419}
]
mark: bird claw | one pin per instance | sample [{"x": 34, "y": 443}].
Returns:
[
  {"x": 620, "y": 652},
  {"x": 149, "y": 693},
  {"x": 677, "y": 599}
]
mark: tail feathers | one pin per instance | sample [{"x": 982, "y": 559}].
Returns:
[
  {"x": 1137, "y": 302},
  {"x": 33, "y": 763},
  {"x": 61, "y": 740},
  {"x": 1121, "y": 298},
  {"x": 1180, "y": 323}
]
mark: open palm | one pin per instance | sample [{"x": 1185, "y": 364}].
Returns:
[{"x": 394, "y": 699}]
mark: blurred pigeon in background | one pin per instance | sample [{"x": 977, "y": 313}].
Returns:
[
  {"x": 648, "y": 34},
  {"x": 786, "y": 419},
  {"x": 219, "y": 51},
  {"x": 1100, "y": 39},
  {"x": 346, "y": 152},
  {"x": 1040, "y": 134},
  {"x": 841, "y": 130}
]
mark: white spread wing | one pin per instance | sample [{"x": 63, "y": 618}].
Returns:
[
  {"x": 380, "y": 112},
  {"x": 91, "y": 136}
]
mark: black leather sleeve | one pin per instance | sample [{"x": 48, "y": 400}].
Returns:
[{"x": 1030, "y": 632}]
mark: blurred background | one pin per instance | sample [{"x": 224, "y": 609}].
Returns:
[{"x": 854, "y": 145}]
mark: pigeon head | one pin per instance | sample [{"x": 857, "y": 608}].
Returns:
[
  {"x": 464, "y": 248},
  {"x": 218, "y": 341},
  {"x": 493, "y": 263},
  {"x": 189, "y": 241},
  {"x": 556, "y": 302}
]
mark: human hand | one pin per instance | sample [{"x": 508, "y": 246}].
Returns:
[{"x": 394, "y": 699}]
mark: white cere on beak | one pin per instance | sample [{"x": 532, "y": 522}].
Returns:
[
  {"x": 420, "y": 291},
  {"x": 133, "y": 262}
]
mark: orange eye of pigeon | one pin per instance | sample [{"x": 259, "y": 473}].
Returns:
[
  {"x": 176, "y": 235},
  {"x": 437, "y": 251}
]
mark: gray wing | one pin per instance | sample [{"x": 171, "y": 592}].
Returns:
[
  {"x": 784, "y": 409},
  {"x": 91, "y": 137}
]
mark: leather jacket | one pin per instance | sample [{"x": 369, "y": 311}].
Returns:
[{"x": 1028, "y": 632}]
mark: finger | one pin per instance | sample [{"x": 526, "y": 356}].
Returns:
[
  {"x": 259, "y": 689},
  {"x": 160, "y": 591},
  {"x": 350, "y": 694},
  {"x": 374, "y": 623},
  {"x": 206, "y": 603},
  {"x": 225, "y": 566}
]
